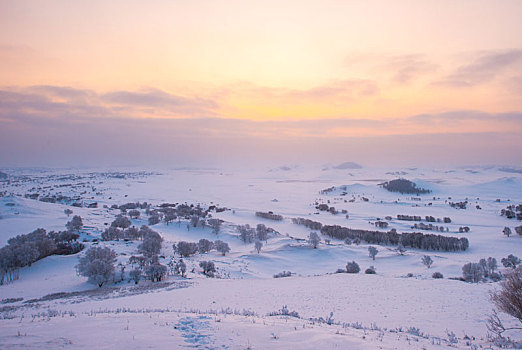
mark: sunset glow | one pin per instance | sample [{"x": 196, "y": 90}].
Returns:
[{"x": 330, "y": 69}]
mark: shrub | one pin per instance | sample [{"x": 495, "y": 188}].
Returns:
[
  {"x": 208, "y": 268},
  {"x": 352, "y": 267},
  {"x": 370, "y": 271},
  {"x": 437, "y": 275},
  {"x": 509, "y": 298},
  {"x": 283, "y": 274},
  {"x": 510, "y": 262}
]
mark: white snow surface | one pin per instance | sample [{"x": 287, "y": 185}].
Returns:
[{"x": 388, "y": 310}]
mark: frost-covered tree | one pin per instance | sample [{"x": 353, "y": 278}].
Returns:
[
  {"x": 134, "y": 213},
  {"x": 511, "y": 261},
  {"x": 372, "y": 252},
  {"x": 135, "y": 275},
  {"x": 314, "y": 239},
  {"x": 151, "y": 244},
  {"x": 400, "y": 249},
  {"x": 246, "y": 233},
  {"x": 194, "y": 220},
  {"x": 262, "y": 232},
  {"x": 156, "y": 271},
  {"x": 507, "y": 231},
  {"x": 169, "y": 217},
  {"x": 112, "y": 233},
  {"x": 67, "y": 212},
  {"x": 121, "y": 222},
  {"x": 215, "y": 224},
  {"x": 75, "y": 224},
  {"x": 352, "y": 267},
  {"x": 180, "y": 268},
  {"x": 154, "y": 219},
  {"x": 221, "y": 247},
  {"x": 491, "y": 265},
  {"x": 186, "y": 249},
  {"x": 208, "y": 268},
  {"x": 205, "y": 246},
  {"x": 258, "y": 245},
  {"x": 427, "y": 261},
  {"x": 473, "y": 272},
  {"x": 97, "y": 265}
]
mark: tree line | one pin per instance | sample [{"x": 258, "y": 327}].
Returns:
[{"x": 407, "y": 239}]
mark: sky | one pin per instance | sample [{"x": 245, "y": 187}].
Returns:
[{"x": 216, "y": 82}]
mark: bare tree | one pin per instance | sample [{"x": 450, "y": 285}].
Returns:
[{"x": 508, "y": 300}]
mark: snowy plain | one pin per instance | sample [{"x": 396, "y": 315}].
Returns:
[{"x": 388, "y": 310}]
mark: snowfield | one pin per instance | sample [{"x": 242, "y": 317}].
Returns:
[{"x": 244, "y": 307}]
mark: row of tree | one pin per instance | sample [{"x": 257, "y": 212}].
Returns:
[
  {"x": 24, "y": 250},
  {"x": 312, "y": 225},
  {"x": 269, "y": 215},
  {"x": 249, "y": 234},
  {"x": 186, "y": 249},
  {"x": 407, "y": 239}
]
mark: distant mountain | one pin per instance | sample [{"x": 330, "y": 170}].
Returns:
[{"x": 348, "y": 165}]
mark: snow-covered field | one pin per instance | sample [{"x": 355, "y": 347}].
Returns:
[{"x": 244, "y": 307}]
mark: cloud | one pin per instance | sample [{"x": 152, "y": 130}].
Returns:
[
  {"x": 469, "y": 116},
  {"x": 157, "y": 99},
  {"x": 57, "y": 125},
  {"x": 339, "y": 88},
  {"x": 67, "y": 102},
  {"x": 409, "y": 67},
  {"x": 485, "y": 67}
]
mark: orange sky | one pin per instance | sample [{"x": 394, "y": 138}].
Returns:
[{"x": 363, "y": 61}]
